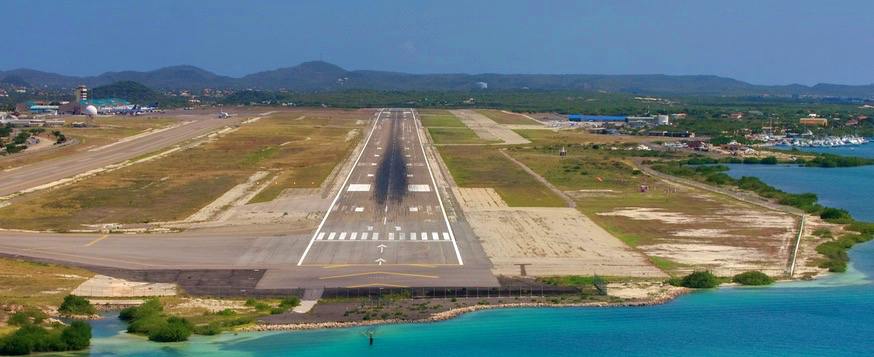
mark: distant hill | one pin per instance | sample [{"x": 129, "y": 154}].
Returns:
[
  {"x": 323, "y": 76},
  {"x": 131, "y": 91},
  {"x": 13, "y": 80}
]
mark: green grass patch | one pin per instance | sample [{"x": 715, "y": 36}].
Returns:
[
  {"x": 441, "y": 120},
  {"x": 486, "y": 167},
  {"x": 501, "y": 117},
  {"x": 442, "y": 136},
  {"x": 664, "y": 264}
]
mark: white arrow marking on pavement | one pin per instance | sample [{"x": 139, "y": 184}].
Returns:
[
  {"x": 381, "y": 247},
  {"x": 380, "y": 261}
]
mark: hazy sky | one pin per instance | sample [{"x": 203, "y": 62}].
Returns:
[{"x": 760, "y": 41}]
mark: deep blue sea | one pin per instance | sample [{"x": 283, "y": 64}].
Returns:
[{"x": 833, "y": 316}]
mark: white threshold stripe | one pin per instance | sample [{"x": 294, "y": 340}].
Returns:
[
  {"x": 340, "y": 192},
  {"x": 363, "y": 236}
]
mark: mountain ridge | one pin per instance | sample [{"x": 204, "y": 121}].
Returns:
[{"x": 324, "y": 76}]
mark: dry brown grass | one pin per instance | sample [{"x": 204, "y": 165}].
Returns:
[
  {"x": 681, "y": 228},
  {"x": 37, "y": 284},
  {"x": 301, "y": 150}
]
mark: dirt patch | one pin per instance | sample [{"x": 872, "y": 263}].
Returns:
[
  {"x": 479, "y": 198},
  {"x": 105, "y": 286},
  {"x": 643, "y": 290},
  {"x": 553, "y": 241},
  {"x": 236, "y": 196},
  {"x": 726, "y": 241},
  {"x": 212, "y": 305}
]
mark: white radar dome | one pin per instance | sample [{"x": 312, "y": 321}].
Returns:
[{"x": 90, "y": 110}]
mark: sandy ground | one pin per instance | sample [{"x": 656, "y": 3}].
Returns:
[
  {"x": 236, "y": 196},
  {"x": 642, "y": 290},
  {"x": 487, "y": 129},
  {"x": 554, "y": 241},
  {"x": 720, "y": 240},
  {"x": 212, "y": 305},
  {"x": 478, "y": 198},
  {"x": 105, "y": 286},
  {"x": 808, "y": 258}
]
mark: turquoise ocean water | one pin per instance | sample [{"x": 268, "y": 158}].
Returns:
[{"x": 833, "y": 316}]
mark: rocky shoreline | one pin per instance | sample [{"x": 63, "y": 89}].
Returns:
[{"x": 452, "y": 313}]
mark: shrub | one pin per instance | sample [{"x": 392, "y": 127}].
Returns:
[
  {"x": 208, "y": 330},
  {"x": 834, "y": 214},
  {"x": 146, "y": 324},
  {"x": 33, "y": 338},
  {"x": 150, "y": 307},
  {"x": 753, "y": 278},
  {"x": 77, "y": 336},
  {"x": 770, "y": 160},
  {"x": 226, "y": 312},
  {"x": 290, "y": 302},
  {"x": 720, "y": 179},
  {"x": 700, "y": 280},
  {"x": 176, "y": 329},
  {"x": 76, "y": 305},
  {"x": 26, "y": 317},
  {"x": 835, "y": 251}
]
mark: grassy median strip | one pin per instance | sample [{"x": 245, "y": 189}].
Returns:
[
  {"x": 302, "y": 152},
  {"x": 486, "y": 167}
]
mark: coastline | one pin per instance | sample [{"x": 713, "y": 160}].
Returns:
[{"x": 456, "y": 312}]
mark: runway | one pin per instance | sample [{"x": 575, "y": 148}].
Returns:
[
  {"x": 395, "y": 236},
  {"x": 388, "y": 210},
  {"x": 44, "y": 172}
]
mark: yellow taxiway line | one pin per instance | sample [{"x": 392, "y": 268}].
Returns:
[
  {"x": 97, "y": 240},
  {"x": 376, "y": 284}
]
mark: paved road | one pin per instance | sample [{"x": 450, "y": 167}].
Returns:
[{"x": 48, "y": 171}]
